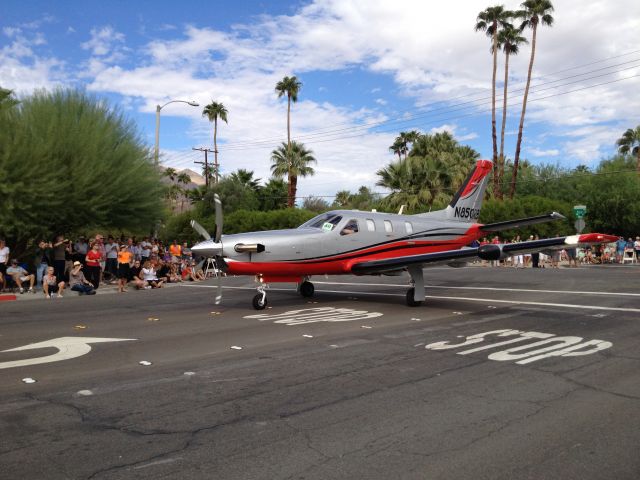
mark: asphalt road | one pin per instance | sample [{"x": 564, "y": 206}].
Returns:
[{"x": 352, "y": 384}]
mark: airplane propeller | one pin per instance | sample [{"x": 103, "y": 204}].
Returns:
[{"x": 219, "y": 261}]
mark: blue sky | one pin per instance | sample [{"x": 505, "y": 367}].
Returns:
[{"x": 397, "y": 65}]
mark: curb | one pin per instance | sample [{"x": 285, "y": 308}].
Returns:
[{"x": 7, "y": 298}]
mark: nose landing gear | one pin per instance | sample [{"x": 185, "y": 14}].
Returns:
[{"x": 260, "y": 300}]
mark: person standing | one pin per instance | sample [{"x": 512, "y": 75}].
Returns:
[
  {"x": 636, "y": 247},
  {"x": 80, "y": 249},
  {"x": 92, "y": 261},
  {"x": 111, "y": 249},
  {"x": 4, "y": 261},
  {"x": 535, "y": 257},
  {"x": 125, "y": 259},
  {"x": 42, "y": 260},
  {"x": 61, "y": 247}
]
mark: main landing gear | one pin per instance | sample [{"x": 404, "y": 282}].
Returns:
[
  {"x": 415, "y": 295},
  {"x": 306, "y": 289}
]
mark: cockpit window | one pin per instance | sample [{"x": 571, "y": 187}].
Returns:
[
  {"x": 350, "y": 228},
  {"x": 326, "y": 221}
]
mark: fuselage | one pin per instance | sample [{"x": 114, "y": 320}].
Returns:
[{"x": 332, "y": 242}]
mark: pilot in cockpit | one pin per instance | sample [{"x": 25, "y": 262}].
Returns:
[{"x": 349, "y": 228}]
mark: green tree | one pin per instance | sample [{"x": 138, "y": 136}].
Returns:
[
  {"x": 435, "y": 167},
  {"x": 315, "y": 204},
  {"x": 629, "y": 143},
  {"x": 213, "y": 111},
  {"x": 70, "y": 162},
  {"x": 289, "y": 86},
  {"x": 274, "y": 195},
  {"x": 293, "y": 160},
  {"x": 245, "y": 177},
  {"x": 489, "y": 21},
  {"x": 509, "y": 39},
  {"x": 534, "y": 13}
]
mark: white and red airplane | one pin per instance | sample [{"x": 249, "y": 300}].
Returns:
[{"x": 375, "y": 243}]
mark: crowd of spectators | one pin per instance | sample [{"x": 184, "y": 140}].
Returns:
[
  {"x": 82, "y": 265},
  {"x": 621, "y": 251}
]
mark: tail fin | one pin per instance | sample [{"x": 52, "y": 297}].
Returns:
[{"x": 465, "y": 204}]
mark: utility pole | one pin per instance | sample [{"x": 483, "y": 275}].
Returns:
[{"x": 206, "y": 165}]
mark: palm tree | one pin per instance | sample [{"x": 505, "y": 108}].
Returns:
[
  {"x": 185, "y": 180},
  {"x": 630, "y": 143},
  {"x": 171, "y": 173},
  {"x": 535, "y": 12},
  {"x": 398, "y": 147},
  {"x": 213, "y": 111},
  {"x": 291, "y": 87},
  {"x": 510, "y": 40},
  {"x": 293, "y": 161},
  {"x": 489, "y": 20},
  {"x": 245, "y": 177}
]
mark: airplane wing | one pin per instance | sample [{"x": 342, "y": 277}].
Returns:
[
  {"x": 521, "y": 222},
  {"x": 484, "y": 252}
]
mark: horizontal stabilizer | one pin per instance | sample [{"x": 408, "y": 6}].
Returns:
[{"x": 521, "y": 222}]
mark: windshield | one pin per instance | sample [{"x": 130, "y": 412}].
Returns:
[{"x": 326, "y": 221}]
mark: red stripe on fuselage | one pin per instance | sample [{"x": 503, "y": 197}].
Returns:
[{"x": 338, "y": 264}]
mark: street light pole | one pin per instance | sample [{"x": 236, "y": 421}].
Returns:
[{"x": 158, "y": 108}]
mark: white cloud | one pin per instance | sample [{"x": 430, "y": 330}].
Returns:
[
  {"x": 430, "y": 51},
  {"x": 536, "y": 152}
]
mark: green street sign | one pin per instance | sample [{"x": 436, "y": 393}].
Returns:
[{"x": 580, "y": 211}]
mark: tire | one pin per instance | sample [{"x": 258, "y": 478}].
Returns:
[
  {"x": 306, "y": 289},
  {"x": 410, "y": 301},
  {"x": 258, "y": 304}
]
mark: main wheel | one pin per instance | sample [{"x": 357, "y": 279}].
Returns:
[
  {"x": 410, "y": 301},
  {"x": 259, "y": 303},
  {"x": 306, "y": 289}
]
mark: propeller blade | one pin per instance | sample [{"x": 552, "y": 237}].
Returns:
[
  {"x": 200, "y": 229},
  {"x": 219, "y": 218}
]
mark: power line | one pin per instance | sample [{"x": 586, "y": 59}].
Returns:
[
  {"x": 332, "y": 130},
  {"x": 474, "y": 113}
]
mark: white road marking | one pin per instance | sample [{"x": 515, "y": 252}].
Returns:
[
  {"x": 68, "y": 347},
  {"x": 469, "y": 299},
  {"x": 493, "y": 289},
  {"x": 307, "y": 336},
  {"x": 235, "y": 347},
  {"x": 84, "y": 393},
  {"x": 145, "y": 363},
  {"x": 28, "y": 380},
  {"x": 316, "y": 314}
]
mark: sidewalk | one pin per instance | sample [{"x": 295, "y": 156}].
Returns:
[{"x": 104, "y": 289}]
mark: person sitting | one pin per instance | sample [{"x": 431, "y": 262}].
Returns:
[
  {"x": 136, "y": 276},
  {"x": 197, "y": 272},
  {"x": 78, "y": 281},
  {"x": 20, "y": 275},
  {"x": 187, "y": 273},
  {"x": 149, "y": 275},
  {"x": 50, "y": 284}
]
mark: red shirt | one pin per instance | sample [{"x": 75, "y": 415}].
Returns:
[{"x": 93, "y": 258}]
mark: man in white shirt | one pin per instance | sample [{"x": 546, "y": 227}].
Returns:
[{"x": 20, "y": 275}]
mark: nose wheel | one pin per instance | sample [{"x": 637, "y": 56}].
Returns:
[{"x": 260, "y": 301}]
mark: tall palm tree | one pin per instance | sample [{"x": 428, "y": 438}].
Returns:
[
  {"x": 171, "y": 173},
  {"x": 213, "y": 111},
  {"x": 534, "y": 13},
  {"x": 489, "y": 21},
  {"x": 293, "y": 160},
  {"x": 509, "y": 39},
  {"x": 289, "y": 86},
  {"x": 630, "y": 143}
]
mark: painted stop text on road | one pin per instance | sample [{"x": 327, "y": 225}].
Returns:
[{"x": 524, "y": 347}]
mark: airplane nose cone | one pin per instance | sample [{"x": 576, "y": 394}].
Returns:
[{"x": 208, "y": 248}]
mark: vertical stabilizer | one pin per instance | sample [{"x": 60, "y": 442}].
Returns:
[{"x": 465, "y": 204}]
